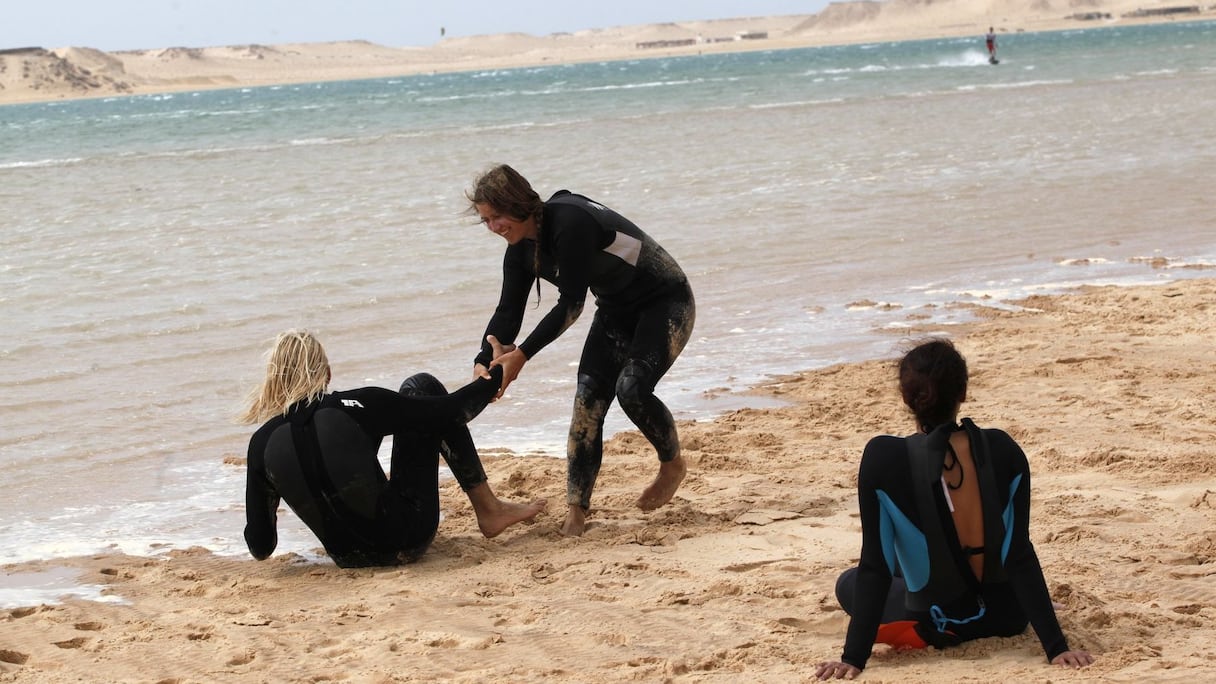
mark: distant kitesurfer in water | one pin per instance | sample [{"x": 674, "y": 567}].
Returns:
[
  {"x": 990, "y": 41},
  {"x": 317, "y": 451},
  {"x": 644, "y": 317}
]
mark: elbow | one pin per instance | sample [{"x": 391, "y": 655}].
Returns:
[
  {"x": 260, "y": 548},
  {"x": 573, "y": 312}
]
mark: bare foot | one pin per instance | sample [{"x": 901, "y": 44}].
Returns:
[
  {"x": 576, "y": 522},
  {"x": 671, "y": 474},
  {"x": 505, "y": 514}
]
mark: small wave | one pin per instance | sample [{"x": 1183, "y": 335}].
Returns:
[
  {"x": 434, "y": 99},
  {"x": 639, "y": 85},
  {"x": 1161, "y": 262},
  {"x": 1017, "y": 84},
  {"x": 1082, "y": 261},
  {"x": 968, "y": 58},
  {"x": 306, "y": 142},
  {"x": 797, "y": 103},
  {"x": 41, "y": 163}
]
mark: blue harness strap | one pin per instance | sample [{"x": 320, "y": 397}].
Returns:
[{"x": 941, "y": 622}]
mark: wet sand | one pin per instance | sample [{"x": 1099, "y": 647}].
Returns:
[{"x": 1107, "y": 390}]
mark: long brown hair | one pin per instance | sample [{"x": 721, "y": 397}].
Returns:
[
  {"x": 506, "y": 191},
  {"x": 297, "y": 369}
]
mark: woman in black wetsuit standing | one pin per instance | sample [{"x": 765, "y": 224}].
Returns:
[
  {"x": 644, "y": 317},
  {"x": 946, "y": 555},
  {"x": 317, "y": 451}
]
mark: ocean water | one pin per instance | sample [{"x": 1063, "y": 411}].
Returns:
[{"x": 820, "y": 200}]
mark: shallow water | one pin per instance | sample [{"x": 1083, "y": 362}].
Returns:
[{"x": 819, "y": 199}]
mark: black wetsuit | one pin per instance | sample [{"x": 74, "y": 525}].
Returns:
[
  {"x": 644, "y": 317},
  {"x": 321, "y": 459},
  {"x": 894, "y": 563}
]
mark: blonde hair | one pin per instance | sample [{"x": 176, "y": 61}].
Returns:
[{"x": 296, "y": 370}]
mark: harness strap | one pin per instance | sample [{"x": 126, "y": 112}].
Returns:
[
  {"x": 340, "y": 523},
  {"x": 994, "y": 526},
  {"x": 927, "y": 454},
  {"x": 941, "y": 622},
  {"x": 947, "y": 580}
]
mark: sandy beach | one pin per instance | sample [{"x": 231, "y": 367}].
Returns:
[
  {"x": 1107, "y": 389},
  {"x": 41, "y": 73}
]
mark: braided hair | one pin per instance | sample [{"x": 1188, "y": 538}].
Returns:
[{"x": 932, "y": 381}]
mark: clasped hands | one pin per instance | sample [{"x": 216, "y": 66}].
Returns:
[{"x": 509, "y": 357}]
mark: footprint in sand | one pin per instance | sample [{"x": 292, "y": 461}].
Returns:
[{"x": 13, "y": 657}]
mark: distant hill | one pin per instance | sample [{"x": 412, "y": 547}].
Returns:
[{"x": 73, "y": 72}]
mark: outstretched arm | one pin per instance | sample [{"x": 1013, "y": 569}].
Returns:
[
  {"x": 384, "y": 412},
  {"x": 1022, "y": 563}
]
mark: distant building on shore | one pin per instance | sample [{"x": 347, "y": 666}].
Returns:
[
  {"x": 1164, "y": 11},
  {"x": 699, "y": 40}
]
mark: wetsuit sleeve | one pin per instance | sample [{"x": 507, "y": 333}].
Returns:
[
  {"x": 384, "y": 412},
  {"x": 508, "y": 316},
  {"x": 574, "y": 239},
  {"x": 1022, "y": 563},
  {"x": 873, "y": 574},
  {"x": 261, "y": 500}
]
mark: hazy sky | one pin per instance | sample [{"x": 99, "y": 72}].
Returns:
[{"x": 141, "y": 24}]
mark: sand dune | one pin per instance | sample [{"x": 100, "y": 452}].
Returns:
[{"x": 37, "y": 74}]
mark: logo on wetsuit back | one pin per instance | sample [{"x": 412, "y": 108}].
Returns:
[{"x": 352, "y": 403}]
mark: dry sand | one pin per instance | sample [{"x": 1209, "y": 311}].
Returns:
[
  {"x": 49, "y": 74},
  {"x": 1107, "y": 389}
]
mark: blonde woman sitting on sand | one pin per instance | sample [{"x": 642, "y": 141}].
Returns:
[
  {"x": 317, "y": 451},
  {"x": 945, "y": 547}
]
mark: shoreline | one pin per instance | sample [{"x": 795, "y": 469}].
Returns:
[
  {"x": 38, "y": 75},
  {"x": 1105, "y": 388}
]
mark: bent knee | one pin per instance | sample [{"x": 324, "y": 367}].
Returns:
[{"x": 635, "y": 383}]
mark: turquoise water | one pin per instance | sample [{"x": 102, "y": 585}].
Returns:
[
  {"x": 822, "y": 200},
  {"x": 450, "y": 103}
]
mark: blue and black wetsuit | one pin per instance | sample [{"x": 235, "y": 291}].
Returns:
[
  {"x": 895, "y": 578},
  {"x": 644, "y": 317},
  {"x": 321, "y": 459}
]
